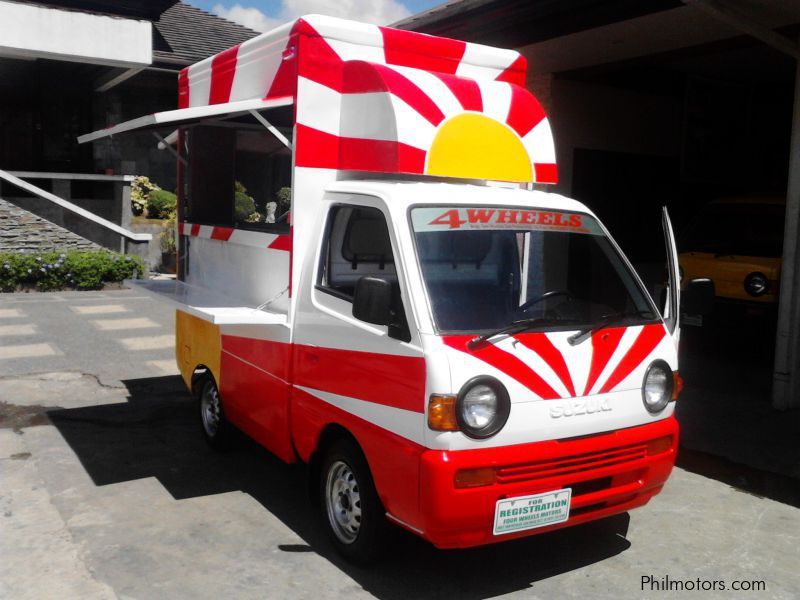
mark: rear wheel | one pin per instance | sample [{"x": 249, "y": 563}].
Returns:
[
  {"x": 216, "y": 428},
  {"x": 353, "y": 513}
]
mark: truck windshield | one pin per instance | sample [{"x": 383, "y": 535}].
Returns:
[{"x": 487, "y": 267}]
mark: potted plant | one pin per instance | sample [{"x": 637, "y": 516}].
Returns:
[{"x": 168, "y": 246}]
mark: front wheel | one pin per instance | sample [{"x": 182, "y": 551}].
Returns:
[{"x": 353, "y": 514}]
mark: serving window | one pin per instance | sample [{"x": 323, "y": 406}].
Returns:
[{"x": 238, "y": 173}]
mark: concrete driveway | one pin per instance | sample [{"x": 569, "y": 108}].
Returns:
[{"x": 108, "y": 491}]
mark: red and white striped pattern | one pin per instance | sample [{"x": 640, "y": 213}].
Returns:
[
  {"x": 243, "y": 237},
  {"x": 551, "y": 369},
  {"x": 383, "y": 118},
  {"x": 371, "y": 98},
  {"x": 251, "y": 69}
]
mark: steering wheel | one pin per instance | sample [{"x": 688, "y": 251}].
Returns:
[{"x": 551, "y": 294}]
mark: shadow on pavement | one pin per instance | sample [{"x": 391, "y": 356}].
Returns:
[
  {"x": 729, "y": 429},
  {"x": 156, "y": 434}
]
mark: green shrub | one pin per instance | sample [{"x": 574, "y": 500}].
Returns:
[
  {"x": 72, "y": 270},
  {"x": 244, "y": 206},
  {"x": 284, "y": 195},
  {"x": 284, "y": 200},
  {"x": 161, "y": 204}
]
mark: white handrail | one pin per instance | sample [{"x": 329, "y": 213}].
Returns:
[
  {"x": 71, "y": 176},
  {"x": 44, "y": 194}
]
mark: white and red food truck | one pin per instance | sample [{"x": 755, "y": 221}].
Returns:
[{"x": 446, "y": 348}]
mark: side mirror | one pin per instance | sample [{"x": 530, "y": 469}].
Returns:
[
  {"x": 698, "y": 298},
  {"x": 372, "y": 300}
]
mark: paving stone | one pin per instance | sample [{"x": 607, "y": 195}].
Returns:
[
  {"x": 118, "y": 324},
  {"x": 149, "y": 342},
  {"x": 27, "y": 350},
  {"x": 99, "y": 309},
  {"x": 21, "y": 329}
]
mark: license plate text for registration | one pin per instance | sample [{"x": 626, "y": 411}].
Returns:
[{"x": 529, "y": 512}]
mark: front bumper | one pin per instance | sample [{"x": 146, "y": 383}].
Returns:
[{"x": 609, "y": 473}]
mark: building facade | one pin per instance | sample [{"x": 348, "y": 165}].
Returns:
[{"x": 72, "y": 66}]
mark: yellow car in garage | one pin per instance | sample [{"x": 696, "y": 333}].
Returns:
[{"x": 738, "y": 244}]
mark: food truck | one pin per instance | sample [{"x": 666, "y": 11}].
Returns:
[{"x": 448, "y": 346}]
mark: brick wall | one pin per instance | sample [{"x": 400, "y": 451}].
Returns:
[{"x": 23, "y": 231}]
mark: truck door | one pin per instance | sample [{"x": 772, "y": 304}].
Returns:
[
  {"x": 672, "y": 306},
  {"x": 362, "y": 368},
  {"x": 366, "y": 378}
]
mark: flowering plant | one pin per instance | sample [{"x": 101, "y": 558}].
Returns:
[
  {"x": 140, "y": 192},
  {"x": 86, "y": 270}
]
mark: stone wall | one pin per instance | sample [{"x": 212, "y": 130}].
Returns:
[{"x": 23, "y": 231}]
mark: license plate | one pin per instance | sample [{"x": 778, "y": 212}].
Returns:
[{"x": 530, "y": 512}]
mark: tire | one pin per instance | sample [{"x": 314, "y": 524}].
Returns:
[
  {"x": 353, "y": 514},
  {"x": 213, "y": 423}
]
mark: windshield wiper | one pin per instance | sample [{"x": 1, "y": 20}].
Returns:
[
  {"x": 514, "y": 327},
  {"x": 608, "y": 321}
]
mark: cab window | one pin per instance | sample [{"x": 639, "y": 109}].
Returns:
[{"x": 357, "y": 244}]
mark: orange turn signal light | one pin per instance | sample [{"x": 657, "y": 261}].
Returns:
[
  {"x": 442, "y": 412},
  {"x": 659, "y": 445},
  {"x": 677, "y": 385},
  {"x": 469, "y": 478}
]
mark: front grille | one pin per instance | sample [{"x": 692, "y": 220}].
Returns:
[
  {"x": 579, "y": 463},
  {"x": 589, "y": 487}
]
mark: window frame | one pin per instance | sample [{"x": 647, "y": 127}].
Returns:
[{"x": 282, "y": 228}]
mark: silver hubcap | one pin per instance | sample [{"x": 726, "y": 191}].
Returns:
[
  {"x": 210, "y": 409},
  {"x": 343, "y": 502}
]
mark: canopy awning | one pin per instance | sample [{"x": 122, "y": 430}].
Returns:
[{"x": 185, "y": 116}]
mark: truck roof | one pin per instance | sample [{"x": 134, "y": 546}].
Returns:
[{"x": 265, "y": 66}]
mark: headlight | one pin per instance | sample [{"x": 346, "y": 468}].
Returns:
[
  {"x": 482, "y": 407},
  {"x": 658, "y": 386},
  {"x": 756, "y": 284}
]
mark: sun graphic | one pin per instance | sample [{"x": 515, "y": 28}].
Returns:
[
  {"x": 474, "y": 146},
  {"x": 407, "y": 120}
]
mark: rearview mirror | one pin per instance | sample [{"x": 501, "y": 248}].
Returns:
[
  {"x": 372, "y": 300},
  {"x": 698, "y": 299}
]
